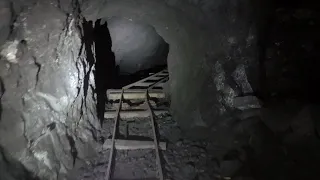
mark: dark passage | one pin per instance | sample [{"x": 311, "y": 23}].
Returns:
[
  {"x": 103, "y": 62},
  {"x": 105, "y": 67},
  {"x": 2, "y": 90}
]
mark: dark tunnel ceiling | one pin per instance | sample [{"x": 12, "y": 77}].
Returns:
[{"x": 137, "y": 46}]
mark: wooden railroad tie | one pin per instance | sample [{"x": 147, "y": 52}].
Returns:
[
  {"x": 133, "y": 144},
  {"x": 144, "y": 93}
]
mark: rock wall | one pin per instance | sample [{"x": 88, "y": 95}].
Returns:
[
  {"x": 6, "y": 18},
  {"x": 48, "y": 109},
  {"x": 137, "y": 46}
]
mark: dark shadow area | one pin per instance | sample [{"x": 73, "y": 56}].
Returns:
[
  {"x": 12, "y": 169},
  {"x": 87, "y": 41},
  {"x": 278, "y": 160},
  {"x": 289, "y": 52},
  {"x": 286, "y": 143},
  {"x": 2, "y": 90},
  {"x": 105, "y": 67}
]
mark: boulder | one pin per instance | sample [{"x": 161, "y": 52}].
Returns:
[{"x": 247, "y": 102}]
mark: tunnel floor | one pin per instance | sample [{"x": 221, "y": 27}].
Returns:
[{"x": 184, "y": 159}]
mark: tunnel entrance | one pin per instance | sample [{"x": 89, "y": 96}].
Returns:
[
  {"x": 124, "y": 52},
  {"x": 139, "y": 50}
]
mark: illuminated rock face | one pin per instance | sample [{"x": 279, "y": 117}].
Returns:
[
  {"x": 48, "y": 115},
  {"x": 48, "y": 107},
  {"x": 137, "y": 46}
]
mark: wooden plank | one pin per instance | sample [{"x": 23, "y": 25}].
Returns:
[
  {"x": 133, "y": 114},
  {"x": 163, "y": 74},
  {"x": 159, "y": 83},
  {"x": 135, "y": 95},
  {"x": 126, "y": 106},
  {"x": 153, "y": 77},
  {"x": 147, "y": 84},
  {"x": 133, "y": 144},
  {"x": 133, "y": 91}
]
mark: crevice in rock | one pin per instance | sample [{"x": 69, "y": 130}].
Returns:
[
  {"x": 105, "y": 65},
  {"x": 88, "y": 64},
  {"x": 51, "y": 126},
  {"x": 2, "y": 91},
  {"x": 59, "y": 4},
  {"x": 13, "y": 17},
  {"x": 73, "y": 149},
  {"x": 34, "y": 142},
  {"x": 39, "y": 69},
  {"x": 29, "y": 142},
  {"x": 93, "y": 90},
  {"x": 93, "y": 132}
]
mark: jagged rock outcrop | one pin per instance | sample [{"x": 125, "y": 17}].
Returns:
[{"x": 48, "y": 119}]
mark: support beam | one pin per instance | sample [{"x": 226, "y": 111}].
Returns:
[{"x": 133, "y": 144}]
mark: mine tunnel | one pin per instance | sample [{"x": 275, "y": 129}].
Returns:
[{"x": 159, "y": 89}]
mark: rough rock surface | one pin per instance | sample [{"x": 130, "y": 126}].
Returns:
[
  {"x": 48, "y": 116},
  {"x": 136, "y": 45},
  {"x": 6, "y": 18}
]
